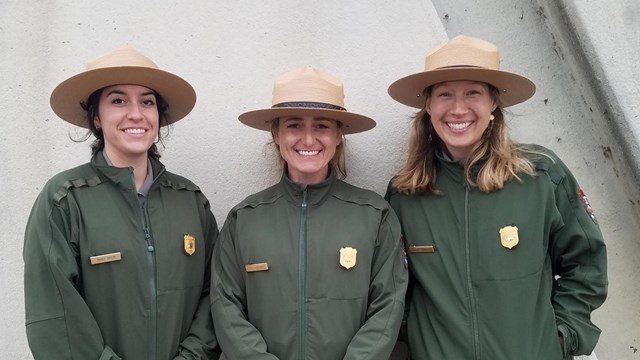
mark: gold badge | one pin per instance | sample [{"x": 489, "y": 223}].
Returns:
[
  {"x": 348, "y": 257},
  {"x": 189, "y": 244},
  {"x": 509, "y": 236}
]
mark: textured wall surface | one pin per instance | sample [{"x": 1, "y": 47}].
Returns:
[{"x": 579, "y": 53}]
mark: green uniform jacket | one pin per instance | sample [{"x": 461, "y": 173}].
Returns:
[
  {"x": 307, "y": 305},
  {"x": 473, "y": 297},
  {"x": 154, "y": 302}
]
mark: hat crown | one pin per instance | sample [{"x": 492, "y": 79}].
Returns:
[
  {"x": 308, "y": 85},
  {"x": 122, "y": 56},
  {"x": 463, "y": 51}
]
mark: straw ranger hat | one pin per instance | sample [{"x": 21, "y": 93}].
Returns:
[
  {"x": 308, "y": 91},
  {"x": 463, "y": 58},
  {"x": 122, "y": 66}
]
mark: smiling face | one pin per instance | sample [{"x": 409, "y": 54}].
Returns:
[
  {"x": 460, "y": 113},
  {"x": 128, "y": 117},
  {"x": 307, "y": 144}
]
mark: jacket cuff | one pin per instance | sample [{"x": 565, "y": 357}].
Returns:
[{"x": 569, "y": 344}]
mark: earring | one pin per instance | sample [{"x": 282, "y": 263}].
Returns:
[{"x": 491, "y": 117}]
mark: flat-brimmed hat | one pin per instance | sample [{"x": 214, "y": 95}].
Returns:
[
  {"x": 308, "y": 91},
  {"x": 122, "y": 66},
  {"x": 463, "y": 58}
]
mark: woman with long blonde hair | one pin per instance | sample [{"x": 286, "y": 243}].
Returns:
[{"x": 506, "y": 255}]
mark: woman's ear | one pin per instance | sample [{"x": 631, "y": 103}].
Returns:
[{"x": 96, "y": 122}]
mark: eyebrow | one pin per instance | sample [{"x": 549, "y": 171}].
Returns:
[
  {"x": 120, "y": 92},
  {"x": 315, "y": 118}
]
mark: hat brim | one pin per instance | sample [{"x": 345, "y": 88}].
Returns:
[
  {"x": 513, "y": 88},
  {"x": 351, "y": 123},
  {"x": 68, "y": 95}
]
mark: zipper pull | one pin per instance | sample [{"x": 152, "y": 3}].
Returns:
[
  {"x": 147, "y": 238},
  {"x": 304, "y": 197}
]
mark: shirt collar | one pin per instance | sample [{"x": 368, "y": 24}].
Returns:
[{"x": 148, "y": 180}]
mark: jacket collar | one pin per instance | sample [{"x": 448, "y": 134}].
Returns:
[
  {"x": 122, "y": 177},
  {"x": 316, "y": 193},
  {"x": 450, "y": 168},
  {"x": 454, "y": 169}
]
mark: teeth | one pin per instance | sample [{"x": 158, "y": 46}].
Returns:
[
  {"x": 459, "y": 126},
  {"x": 308, "y": 152},
  {"x": 134, "y": 131}
]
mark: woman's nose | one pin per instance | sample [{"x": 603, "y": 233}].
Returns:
[
  {"x": 308, "y": 137},
  {"x": 459, "y": 106},
  {"x": 134, "y": 112}
]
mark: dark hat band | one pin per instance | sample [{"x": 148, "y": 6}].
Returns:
[{"x": 303, "y": 104}]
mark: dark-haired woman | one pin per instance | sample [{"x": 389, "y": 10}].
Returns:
[{"x": 117, "y": 251}]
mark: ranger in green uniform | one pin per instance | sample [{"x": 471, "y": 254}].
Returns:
[
  {"x": 310, "y": 268},
  {"x": 118, "y": 251},
  {"x": 506, "y": 255}
]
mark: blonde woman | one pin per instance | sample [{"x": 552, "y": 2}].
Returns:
[
  {"x": 311, "y": 267},
  {"x": 506, "y": 255}
]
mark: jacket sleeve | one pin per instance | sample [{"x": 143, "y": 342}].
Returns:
[
  {"x": 579, "y": 263},
  {"x": 389, "y": 277},
  {"x": 201, "y": 342},
  {"x": 59, "y": 324},
  {"x": 238, "y": 338}
]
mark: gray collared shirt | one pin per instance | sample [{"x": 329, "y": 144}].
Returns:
[{"x": 148, "y": 180}]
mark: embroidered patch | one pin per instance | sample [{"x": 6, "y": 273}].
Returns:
[{"x": 587, "y": 206}]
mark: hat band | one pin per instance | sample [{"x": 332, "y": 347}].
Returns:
[
  {"x": 460, "y": 67},
  {"x": 307, "y": 104}
]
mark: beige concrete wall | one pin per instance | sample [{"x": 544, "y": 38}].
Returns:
[{"x": 232, "y": 51}]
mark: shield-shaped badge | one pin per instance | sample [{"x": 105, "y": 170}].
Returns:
[
  {"x": 348, "y": 257},
  {"x": 189, "y": 244},
  {"x": 509, "y": 236}
]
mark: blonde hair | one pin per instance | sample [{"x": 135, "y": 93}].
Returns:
[
  {"x": 338, "y": 163},
  {"x": 505, "y": 159}
]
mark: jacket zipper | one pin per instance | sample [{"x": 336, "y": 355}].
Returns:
[
  {"x": 302, "y": 265},
  {"x": 153, "y": 301},
  {"x": 472, "y": 297}
]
